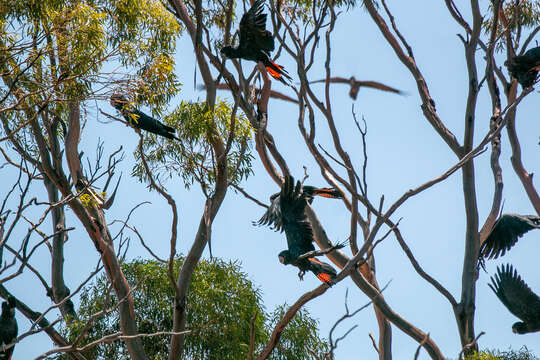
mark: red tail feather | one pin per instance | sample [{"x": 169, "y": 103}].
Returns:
[
  {"x": 274, "y": 73},
  {"x": 324, "y": 277}
]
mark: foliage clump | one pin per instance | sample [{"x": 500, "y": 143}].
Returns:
[
  {"x": 520, "y": 16},
  {"x": 193, "y": 158},
  {"x": 221, "y": 300},
  {"x": 58, "y": 51},
  {"x": 521, "y": 354}
]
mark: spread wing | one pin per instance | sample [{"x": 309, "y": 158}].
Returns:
[
  {"x": 333, "y": 80},
  {"x": 253, "y": 34},
  {"x": 273, "y": 94},
  {"x": 505, "y": 233},
  {"x": 515, "y": 294},
  {"x": 278, "y": 95},
  {"x": 272, "y": 216},
  {"x": 297, "y": 227},
  {"x": 355, "y": 85},
  {"x": 380, "y": 86}
]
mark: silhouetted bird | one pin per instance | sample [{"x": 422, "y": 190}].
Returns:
[
  {"x": 292, "y": 203},
  {"x": 356, "y": 84},
  {"x": 273, "y": 94},
  {"x": 256, "y": 42},
  {"x": 272, "y": 216},
  {"x": 505, "y": 234},
  {"x": 8, "y": 328},
  {"x": 140, "y": 120},
  {"x": 518, "y": 298},
  {"x": 525, "y": 67}
]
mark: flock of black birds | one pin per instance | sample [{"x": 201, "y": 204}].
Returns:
[
  {"x": 286, "y": 211},
  {"x": 287, "y": 208},
  {"x": 256, "y": 43}
]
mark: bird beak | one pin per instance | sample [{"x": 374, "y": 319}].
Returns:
[{"x": 281, "y": 259}]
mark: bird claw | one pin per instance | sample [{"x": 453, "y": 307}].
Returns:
[{"x": 301, "y": 275}]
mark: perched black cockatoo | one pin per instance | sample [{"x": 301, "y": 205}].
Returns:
[
  {"x": 292, "y": 203},
  {"x": 518, "y": 298},
  {"x": 525, "y": 67},
  {"x": 8, "y": 328},
  {"x": 505, "y": 234},
  {"x": 140, "y": 120},
  {"x": 272, "y": 216},
  {"x": 256, "y": 42},
  {"x": 357, "y": 84}
]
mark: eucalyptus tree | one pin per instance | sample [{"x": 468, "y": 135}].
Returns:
[
  {"x": 57, "y": 58},
  {"x": 304, "y": 32},
  {"x": 227, "y": 317}
]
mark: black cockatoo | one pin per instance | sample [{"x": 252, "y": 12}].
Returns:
[
  {"x": 357, "y": 84},
  {"x": 505, "y": 233},
  {"x": 272, "y": 216},
  {"x": 8, "y": 327},
  {"x": 292, "y": 203},
  {"x": 525, "y": 67},
  {"x": 140, "y": 120},
  {"x": 256, "y": 42},
  {"x": 518, "y": 298}
]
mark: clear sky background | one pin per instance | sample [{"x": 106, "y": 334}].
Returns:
[{"x": 404, "y": 151}]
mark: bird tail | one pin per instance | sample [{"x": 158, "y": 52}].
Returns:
[
  {"x": 323, "y": 271},
  {"x": 278, "y": 72},
  {"x": 169, "y": 132},
  {"x": 169, "y": 129}
]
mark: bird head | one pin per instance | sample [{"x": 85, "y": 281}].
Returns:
[
  {"x": 285, "y": 257},
  {"x": 118, "y": 101},
  {"x": 227, "y": 51},
  {"x": 519, "y": 328}
]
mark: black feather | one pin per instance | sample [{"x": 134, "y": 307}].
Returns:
[
  {"x": 292, "y": 203},
  {"x": 505, "y": 233},
  {"x": 8, "y": 327},
  {"x": 525, "y": 68},
  {"x": 272, "y": 216},
  {"x": 256, "y": 42},
  {"x": 140, "y": 120},
  {"x": 518, "y": 299}
]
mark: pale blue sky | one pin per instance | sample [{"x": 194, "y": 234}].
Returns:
[{"x": 404, "y": 152}]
